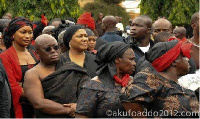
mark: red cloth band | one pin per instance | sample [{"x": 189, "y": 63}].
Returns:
[
  {"x": 123, "y": 81},
  {"x": 165, "y": 60}
]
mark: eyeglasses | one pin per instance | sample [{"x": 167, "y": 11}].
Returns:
[{"x": 48, "y": 49}]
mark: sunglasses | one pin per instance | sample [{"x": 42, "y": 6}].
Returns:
[{"x": 48, "y": 49}]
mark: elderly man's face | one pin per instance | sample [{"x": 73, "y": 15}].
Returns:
[
  {"x": 49, "y": 51},
  {"x": 178, "y": 34},
  {"x": 161, "y": 27},
  {"x": 127, "y": 63}
]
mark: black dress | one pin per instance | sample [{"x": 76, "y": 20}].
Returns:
[
  {"x": 27, "y": 108},
  {"x": 100, "y": 101}
]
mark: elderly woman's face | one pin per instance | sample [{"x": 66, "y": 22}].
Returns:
[
  {"x": 127, "y": 63},
  {"x": 79, "y": 40},
  {"x": 182, "y": 64},
  {"x": 23, "y": 36}
]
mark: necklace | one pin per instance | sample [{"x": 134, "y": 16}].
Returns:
[{"x": 193, "y": 43}]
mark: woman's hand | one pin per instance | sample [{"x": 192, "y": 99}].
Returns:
[{"x": 72, "y": 108}]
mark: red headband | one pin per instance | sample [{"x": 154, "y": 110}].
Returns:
[
  {"x": 173, "y": 38},
  {"x": 86, "y": 19},
  {"x": 165, "y": 60}
]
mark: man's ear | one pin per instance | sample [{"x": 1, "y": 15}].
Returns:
[
  {"x": 37, "y": 52},
  {"x": 193, "y": 25}
]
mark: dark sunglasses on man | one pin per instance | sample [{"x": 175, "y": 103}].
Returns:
[{"x": 49, "y": 48}]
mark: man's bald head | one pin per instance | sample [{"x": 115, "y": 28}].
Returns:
[
  {"x": 179, "y": 32},
  {"x": 109, "y": 23},
  {"x": 163, "y": 22},
  {"x": 110, "y": 20},
  {"x": 43, "y": 39},
  {"x": 161, "y": 25},
  {"x": 195, "y": 17}
]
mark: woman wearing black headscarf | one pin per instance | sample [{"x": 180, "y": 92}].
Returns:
[
  {"x": 155, "y": 89},
  {"x": 17, "y": 59},
  {"x": 100, "y": 96},
  {"x": 76, "y": 40}
]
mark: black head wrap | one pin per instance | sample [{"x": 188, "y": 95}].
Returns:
[
  {"x": 13, "y": 26},
  {"x": 69, "y": 34},
  {"x": 159, "y": 49},
  {"x": 89, "y": 32},
  {"x": 105, "y": 59}
]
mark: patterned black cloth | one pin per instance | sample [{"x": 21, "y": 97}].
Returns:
[
  {"x": 63, "y": 86},
  {"x": 98, "y": 100},
  {"x": 158, "y": 94}
]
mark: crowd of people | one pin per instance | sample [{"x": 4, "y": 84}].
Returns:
[{"x": 65, "y": 68}]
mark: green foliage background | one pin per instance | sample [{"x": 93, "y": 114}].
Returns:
[
  {"x": 33, "y": 9},
  {"x": 179, "y": 12},
  {"x": 110, "y": 2},
  {"x": 105, "y": 7}
]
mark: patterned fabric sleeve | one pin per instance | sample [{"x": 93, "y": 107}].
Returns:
[
  {"x": 87, "y": 102},
  {"x": 144, "y": 88}
]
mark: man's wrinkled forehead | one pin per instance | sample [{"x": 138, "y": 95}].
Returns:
[
  {"x": 138, "y": 20},
  {"x": 48, "y": 42},
  {"x": 162, "y": 24},
  {"x": 44, "y": 41}
]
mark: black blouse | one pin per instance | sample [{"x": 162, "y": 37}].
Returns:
[{"x": 89, "y": 63}]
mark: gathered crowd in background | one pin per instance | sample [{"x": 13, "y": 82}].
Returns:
[{"x": 98, "y": 68}]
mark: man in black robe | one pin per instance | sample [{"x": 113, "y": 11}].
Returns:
[{"x": 51, "y": 86}]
